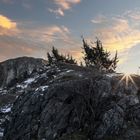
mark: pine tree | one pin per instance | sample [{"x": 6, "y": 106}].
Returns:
[
  {"x": 56, "y": 57},
  {"x": 69, "y": 59},
  {"x": 50, "y": 59},
  {"x": 88, "y": 53},
  {"x": 96, "y": 56}
]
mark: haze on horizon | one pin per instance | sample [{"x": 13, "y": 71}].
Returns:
[{"x": 32, "y": 27}]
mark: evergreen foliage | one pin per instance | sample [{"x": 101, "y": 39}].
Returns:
[
  {"x": 96, "y": 56},
  {"x": 55, "y": 57}
]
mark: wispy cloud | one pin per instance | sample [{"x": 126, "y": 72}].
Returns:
[
  {"x": 7, "y": 26},
  {"x": 26, "y": 5},
  {"x": 66, "y": 4},
  {"x": 58, "y": 36},
  {"x": 63, "y": 5},
  {"x": 11, "y": 47},
  {"x": 47, "y": 34},
  {"x": 31, "y": 41},
  {"x": 119, "y": 35},
  {"x": 57, "y": 12},
  {"x": 54, "y": 33},
  {"x": 132, "y": 14},
  {"x": 119, "y": 32},
  {"x": 99, "y": 19},
  {"x": 7, "y": 1}
]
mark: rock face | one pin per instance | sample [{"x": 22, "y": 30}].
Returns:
[
  {"x": 17, "y": 69},
  {"x": 12, "y": 72},
  {"x": 68, "y": 102}
]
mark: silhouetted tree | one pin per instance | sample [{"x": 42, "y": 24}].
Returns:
[
  {"x": 55, "y": 57},
  {"x": 98, "y": 57},
  {"x": 81, "y": 64},
  {"x": 70, "y": 59},
  {"x": 50, "y": 58}
]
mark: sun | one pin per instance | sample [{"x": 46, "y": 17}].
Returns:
[{"x": 128, "y": 79}]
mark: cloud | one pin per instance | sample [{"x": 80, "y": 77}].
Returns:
[
  {"x": 26, "y": 5},
  {"x": 120, "y": 35},
  {"x": 55, "y": 32},
  {"x": 6, "y": 23},
  {"x": 66, "y": 4},
  {"x": 11, "y": 47},
  {"x": 48, "y": 34},
  {"x": 58, "y": 11},
  {"x": 99, "y": 19},
  {"x": 7, "y": 26},
  {"x": 58, "y": 36},
  {"x": 119, "y": 32},
  {"x": 63, "y": 5},
  {"x": 34, "y": 42},
  {"x": 7, "y": 1},
  {"x": 30, "y": 41},
  {"x": 133, "y": 14}
]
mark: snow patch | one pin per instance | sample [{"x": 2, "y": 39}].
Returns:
[
  {"x": 47, "y": 67},
  {"x": 6, "y": 109},
  {"x": 80, "y": 75},
  {"x": 1, "y": 134},
  {"x": 29, "y": 81},
  {"x": 69, "y": 71},
  {"x": 3, "y": 92},
  {"x": 43, "y": 88},
  {"x": 26, "y": 83},
  {"x": 21, "y": 86},
  {"x": 113, "y": 75}
]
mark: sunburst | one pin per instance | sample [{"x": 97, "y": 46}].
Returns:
[{"x": 128, "y": 78}]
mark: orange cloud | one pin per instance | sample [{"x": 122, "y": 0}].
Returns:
[
  {"x": 6, "y": 23},
  {"x": 120, "y": 33},
  {"x": 63, "y": 5},
  {"x": 120, "y": 36},
  {"x": 66, "y": 4},
  {"x": 7, "y": 26},
  {"x": 11, "y": 47},
  {"x": 47, "y": 34}
]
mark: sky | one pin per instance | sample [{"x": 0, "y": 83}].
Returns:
[{"x": 32, "y": 27}]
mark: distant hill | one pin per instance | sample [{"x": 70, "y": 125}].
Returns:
[{"x": 18, "y": 68}]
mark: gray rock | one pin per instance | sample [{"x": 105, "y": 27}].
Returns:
[
  {"x": 18, "y": 69},
  {"x": 68, "y": 102}
]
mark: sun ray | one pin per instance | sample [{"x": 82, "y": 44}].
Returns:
[
  {"x": 121, "y": 80},
  {"x": 127, "y": 78},
  {"x": 131, "y": 79}
]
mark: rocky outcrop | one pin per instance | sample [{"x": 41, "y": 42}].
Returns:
[
  {"x": 18, "y": 69},
  {"x": 68, "y": 102},
  {"x": 12, "y": 72}
]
